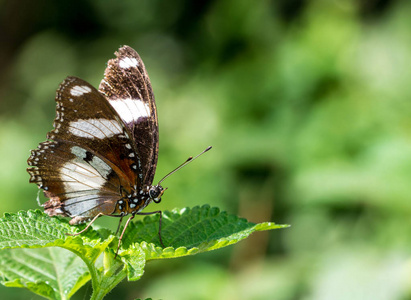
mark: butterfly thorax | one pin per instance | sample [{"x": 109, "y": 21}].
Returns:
[{"x": 132, "y": 203}]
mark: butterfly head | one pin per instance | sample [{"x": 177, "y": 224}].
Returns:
[{"x": 156, "y": 192}]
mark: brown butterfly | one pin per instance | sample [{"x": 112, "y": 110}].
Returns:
[{"x": 101, "y": 156}]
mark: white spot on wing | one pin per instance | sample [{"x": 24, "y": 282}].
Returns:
[
  {"x": 130, "y": 109},
  {"x": 80, "y": 177},
  {"x": 80, "y": 90},
  {"x": 79, "y": 205},
  {"x": 128, "y": 62},
  {"x": 95, "y": 128},
  {"x": 103, "y": 168},
  {"x": 97, "y": 163},
  {"x": 79, "y": 152}
]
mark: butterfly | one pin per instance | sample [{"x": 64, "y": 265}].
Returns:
[{"x": 100, "y": 158}]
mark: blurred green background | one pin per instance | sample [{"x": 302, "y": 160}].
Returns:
[{"x": 307, "y": 105}]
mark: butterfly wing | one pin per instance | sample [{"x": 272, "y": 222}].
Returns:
[
  {"x": 88, "y": 164},
  {"x": 127, "y": 87},
  {"x": 103, "y": 148}
]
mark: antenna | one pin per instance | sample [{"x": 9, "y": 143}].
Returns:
[{"x": 189, "y": 160}]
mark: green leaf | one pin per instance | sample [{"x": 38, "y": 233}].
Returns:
[
  {"x": 57, "y": 274},
  {"x": 135, "y": 259},
  {"x": 31, "y": 228},
  {"x": 190, "y": 231},
  {"x": 35, "y": 229},
  {"x": 50, "y": 272}
]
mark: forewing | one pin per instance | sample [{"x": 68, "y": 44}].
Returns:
[
  {"x": 127, "y": 87},
  {"x": 85, "y": 118}
]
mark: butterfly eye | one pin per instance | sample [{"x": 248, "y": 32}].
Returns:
[{"x": 156, "y": 192}]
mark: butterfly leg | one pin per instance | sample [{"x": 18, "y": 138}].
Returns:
[
  {"x": 119, "y": 223},
  {"x": 87, "y": 227},
  {"x": 144, "y": 214},
  {"x": 122, "y": 233},
  {"x": 159, "y": 223}
]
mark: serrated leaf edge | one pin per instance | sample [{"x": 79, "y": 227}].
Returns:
[{"x": 154, "y": 252}]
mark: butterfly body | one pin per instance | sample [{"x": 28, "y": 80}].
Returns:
[{"x": 101, "y": 156}]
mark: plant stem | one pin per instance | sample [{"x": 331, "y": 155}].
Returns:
[{"x": 107, "y": 283}]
